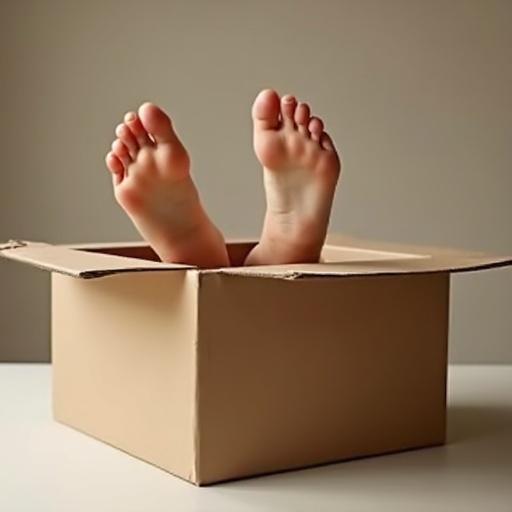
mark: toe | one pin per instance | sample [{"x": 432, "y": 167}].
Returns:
[
  {"x": 113, "y": 163},
  {"x": 266, "y": 109},
  {"x": 115, "y": 166},
  {"x": 132, "y": 121},
  {"x": 302, "y": 115},
  {"x": 288, "y": 106},
  {"x": 126, "y": 136},
  {"x": 157, "y": 123},
  {"x": 326, "y": 142},
  {"x": 122, "y": 153},
  {"x": 316, "y": 127}
]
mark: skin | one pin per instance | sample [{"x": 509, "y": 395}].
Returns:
[
  {"x": 152, "y": 182},
  {"x": 300, "y": 171}
]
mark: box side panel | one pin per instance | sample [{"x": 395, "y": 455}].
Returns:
[
  {"x": 295, "y": 373},
  {"x": 124, "y": 362}
]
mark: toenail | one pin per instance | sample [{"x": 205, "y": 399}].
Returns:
[
  {"x": 130, "y": 116},
  {"x": 289, "y": 99}
]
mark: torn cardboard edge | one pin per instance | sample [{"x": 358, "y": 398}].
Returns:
[{"x": 341, "y": 256}]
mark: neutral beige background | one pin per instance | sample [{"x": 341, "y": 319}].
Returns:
[{"x": 417, "y": 94}]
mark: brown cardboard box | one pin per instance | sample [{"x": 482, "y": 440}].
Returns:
[{"x": 226, "y": 373}]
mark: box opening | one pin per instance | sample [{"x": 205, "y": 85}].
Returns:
[
  {"x": 238, "y": 251},
  {"x": 139, "y": 252},
  {"x": 341, "y": 256}
]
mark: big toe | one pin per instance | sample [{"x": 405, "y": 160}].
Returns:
[
  {"x": 265, "y": 110},
  {"x": 157, "y": 123}
]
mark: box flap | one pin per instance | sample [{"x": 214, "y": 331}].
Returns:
[
  {"x": 346, "y": 256},
  {"x": 85, "y": 261}
]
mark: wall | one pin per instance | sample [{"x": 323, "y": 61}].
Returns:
[{"x": 418, "y": 96}]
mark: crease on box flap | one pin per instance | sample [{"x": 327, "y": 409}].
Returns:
[
  {"x": 271, "y": 271},
  {"x": 452, "y": 261},
  {"x": 78, "y": 263}
]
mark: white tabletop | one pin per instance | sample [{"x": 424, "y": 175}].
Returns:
[{"x": 45, "y": 466}]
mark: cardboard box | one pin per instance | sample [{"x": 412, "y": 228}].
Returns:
[{"x": 226, "y": 373}]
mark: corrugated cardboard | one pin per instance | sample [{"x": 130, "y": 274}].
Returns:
[{"x": 227, "y": 373}]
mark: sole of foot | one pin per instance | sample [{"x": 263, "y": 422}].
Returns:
[
  {"x": 152, "y": 182},
  {"x": 301, "y": 168}
]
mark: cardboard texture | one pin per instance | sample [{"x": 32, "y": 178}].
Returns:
[{"x": 227, "y": 373}]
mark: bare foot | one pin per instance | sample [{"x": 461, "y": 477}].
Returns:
[
  {"x": 301, "y": 169},
  {"x": 150, "y": 170}
]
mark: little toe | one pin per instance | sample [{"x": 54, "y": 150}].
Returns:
[
  {"x": 288, "y": 106},
  {"x": 121, "y": 151},
  {"x": 115, "y": 166},
  {"x": 132, "y": 121},
  {"x": 316, "y": 127},
  {"x": 326, "y": 142},
  {"x": 126, "y": 136},
  {"x": 265, "y": 110},
  {"x": 157, "y": 123},
  {"x": 302, "y": 115}
]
